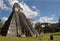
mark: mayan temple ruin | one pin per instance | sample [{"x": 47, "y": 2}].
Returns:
[{"x": 17, "y": 24}]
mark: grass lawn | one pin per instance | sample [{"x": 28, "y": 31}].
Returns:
[{"x": 44, "y": 38}]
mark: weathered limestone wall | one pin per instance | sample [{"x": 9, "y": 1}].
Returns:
[{"x": 17, "y": 24}]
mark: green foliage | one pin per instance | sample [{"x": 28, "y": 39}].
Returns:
[
  {"x": 51, "y": 28},
  {"x": 48, "y": 27},
  {"x": 37, "y": 25}
]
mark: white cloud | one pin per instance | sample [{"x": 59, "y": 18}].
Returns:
[
  {"x": 46, "y": 19},
  {"x": 3, "y": 6},
  {"x": 26, "y": 9},
  {"x": 4, "y": 19},
  {"x": 34, "y": 7},
  {"x": 29, "y": 12},
  {"x": 11, "y": 2}
]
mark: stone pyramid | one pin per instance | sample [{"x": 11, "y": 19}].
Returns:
[{"x": 17, "y": 24}]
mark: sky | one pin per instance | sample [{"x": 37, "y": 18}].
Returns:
[{"x": 38, "y": 10}]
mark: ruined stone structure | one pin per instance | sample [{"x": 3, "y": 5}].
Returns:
[
  {"x": 59, "y": 22},
  {"x": 17, "y": 24}
]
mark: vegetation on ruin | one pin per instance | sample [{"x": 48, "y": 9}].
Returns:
[{"x": 0, "y": 25}]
